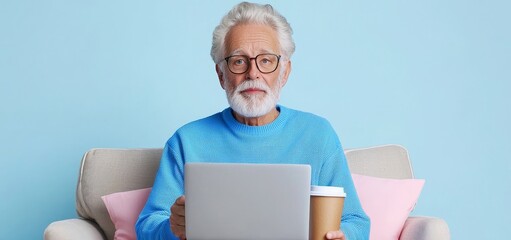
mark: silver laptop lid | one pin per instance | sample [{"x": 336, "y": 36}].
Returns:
[{"x": 247, "y": 201}]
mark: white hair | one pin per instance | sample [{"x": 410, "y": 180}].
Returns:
[{"x": 244, "y": 13}]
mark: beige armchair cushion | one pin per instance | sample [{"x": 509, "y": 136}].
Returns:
[
  {"x": 75, "y": 229},
  {"x": 425, "y": 228},
  {"x": 105, "y": 171},
  {"x": 392, "y": 161}
]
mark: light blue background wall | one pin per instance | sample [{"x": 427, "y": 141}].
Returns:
[{"x": 433, "y": 76}]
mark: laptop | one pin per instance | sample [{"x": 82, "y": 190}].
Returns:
[{"x": 247, "y": 201}]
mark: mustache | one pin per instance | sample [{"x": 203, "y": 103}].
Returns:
[{"x": 248, "y": 84}]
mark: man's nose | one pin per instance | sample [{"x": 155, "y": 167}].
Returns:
[{"x": 253, "y": 72}]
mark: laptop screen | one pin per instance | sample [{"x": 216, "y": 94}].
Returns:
[{"x": 247, "y": 201}]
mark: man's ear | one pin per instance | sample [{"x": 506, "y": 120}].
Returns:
[
  {"x": 220, "y": 75},
  {"x": 286, "y": 73}
]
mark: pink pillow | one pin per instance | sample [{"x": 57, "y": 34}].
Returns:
[
  {"x": 124, "y": 208},
  {"x": 387, "y": 202}
]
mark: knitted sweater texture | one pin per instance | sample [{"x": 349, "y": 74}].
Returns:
[{"x": 294, "y": 137}]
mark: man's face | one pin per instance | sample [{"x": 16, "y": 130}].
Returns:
[{"x": 253, "y": 93}]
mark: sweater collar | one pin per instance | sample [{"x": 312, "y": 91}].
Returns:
[{"x": 271, "y": 128}]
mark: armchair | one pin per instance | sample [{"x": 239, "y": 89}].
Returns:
[{"x": 105, "y": 171}]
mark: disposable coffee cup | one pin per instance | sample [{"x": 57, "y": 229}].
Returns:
[{"x": 326, "y": 206}]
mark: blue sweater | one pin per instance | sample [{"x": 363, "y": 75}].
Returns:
[{"x": 294, "y": 137}]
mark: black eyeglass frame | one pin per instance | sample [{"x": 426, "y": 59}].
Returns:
[{"x": 250, "y": 60}]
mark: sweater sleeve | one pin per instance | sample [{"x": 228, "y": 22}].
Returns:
[
  {"x": 153, "y": 222},
  {"x": 335, "y": 172}
]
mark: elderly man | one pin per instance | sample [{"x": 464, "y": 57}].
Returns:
[{"x": 252, "y": 47}]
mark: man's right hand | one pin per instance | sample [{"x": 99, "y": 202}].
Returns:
[{"x": 177, "y": 218}]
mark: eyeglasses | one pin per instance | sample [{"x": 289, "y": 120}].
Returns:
[{"x": 266, "y": 63}]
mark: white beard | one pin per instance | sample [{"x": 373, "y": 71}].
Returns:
[{"x": 255, "y": 105}]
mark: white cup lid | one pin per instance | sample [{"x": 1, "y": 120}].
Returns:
[{"x": 327, "y": 191}]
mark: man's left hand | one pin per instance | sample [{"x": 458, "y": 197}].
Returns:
[{"x": 336, "y": 235}]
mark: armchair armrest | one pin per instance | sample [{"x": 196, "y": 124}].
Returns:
[
  {"x": 78, "y": 229},
  {"x": 425, "y": 228}
]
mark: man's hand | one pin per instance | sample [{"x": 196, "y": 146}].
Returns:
[
  {"x": 337, "y": 235},
  {"x": 177, "y": 218}
]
